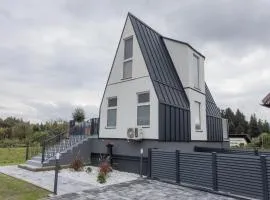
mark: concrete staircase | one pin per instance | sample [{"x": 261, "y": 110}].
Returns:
[{"x": 66, "y": 147}]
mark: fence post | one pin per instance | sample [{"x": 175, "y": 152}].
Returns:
[
  {"x": 149, "y": 173},
  {"x": 256, "y": 152},
  {"x": 264, "y": 177},
  {"x": 214, "y": 171},
  {"x": 43, "y": 152},
  {"x": 27, "y": 151},
  {"x": 177, "y": 154}
]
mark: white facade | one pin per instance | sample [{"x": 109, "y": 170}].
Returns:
[
  {"x": 237, "y": 141},
  {"x": 182, "y": 57},
  {"x": 126, "y": 92}
]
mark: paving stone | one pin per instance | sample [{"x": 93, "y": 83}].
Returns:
[{"x": 144, "y": 190}]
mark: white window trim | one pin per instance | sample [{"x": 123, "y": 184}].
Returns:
[
  {"x": 111, "y": 108},
  {"x": 128, "y": 59},
  {"x": 144, "y": 104},
  {"x": 200, "y": 117},
  {"x": 197, "y": 87}
]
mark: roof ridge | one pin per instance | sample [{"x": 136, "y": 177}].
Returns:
[
  {"x": 165, "y": 37},
  {"x": 130, "y": 14}
]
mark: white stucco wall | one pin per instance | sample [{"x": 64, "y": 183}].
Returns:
[
  {"x": 182, "y": 57},
  {"x": 195, "y": 96},
  {"x": 126, "y": 92}
]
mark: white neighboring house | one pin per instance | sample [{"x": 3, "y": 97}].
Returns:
[
  {"x": 156, "y": 88},
  {"x": 237, "y": 140}
]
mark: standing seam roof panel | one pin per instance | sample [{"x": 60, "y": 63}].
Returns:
[
  {"x": 211, "y": 107},
  {"x": 165, "y": 79}
]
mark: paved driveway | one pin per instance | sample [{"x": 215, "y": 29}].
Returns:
[{"x": 141, "y": 190}]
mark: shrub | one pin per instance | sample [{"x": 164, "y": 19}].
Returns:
[
  {"x": 77, "y": 163},
  {"x": 101, "y": 178},
  {"x": 105, "y": 167},
  {"x": 88, "y": 170}
]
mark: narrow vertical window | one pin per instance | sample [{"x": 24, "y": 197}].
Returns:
[
  {"x": 196, "y": 68},
  {"x": 128, "y": 54},
  {"x": 197, "y": 112},
  {"x": 128, "y": 48},
  {"x": 143, "y": 109},
  {"x": 112, "y": 112}
]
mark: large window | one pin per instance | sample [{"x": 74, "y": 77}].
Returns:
[
  {"x": 143, "y": 109},
  {"x": 197, "y": 112},
  {"x": 112, "y": 112},
  {"x": 128, "y": 54},
  {"x": 196, "y": 68}
]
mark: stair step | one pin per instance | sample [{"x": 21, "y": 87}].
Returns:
[
  {"x": 63, "y": 146},
  {"x": 34, "y": 163},
  {"x": 37, "y": 158}
]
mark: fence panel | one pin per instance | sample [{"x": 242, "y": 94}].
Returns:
[
  {"x": 196, "y": 169},
  {"x": 268, "y": 173},
  {"x": 241, "y": 175},
  {"x": 163, "y": 165}
]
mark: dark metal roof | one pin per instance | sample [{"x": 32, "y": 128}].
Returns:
[
  {"x": 266, "y": 101},
  {"x": 211, "y": 107},
  {"x": 161, "y": 69}
]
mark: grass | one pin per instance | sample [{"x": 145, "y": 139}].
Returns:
[
  {"x": 14, "y": 189},
  {"x": 10, "y": 156}
]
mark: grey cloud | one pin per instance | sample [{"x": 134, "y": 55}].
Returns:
[{"x": 55, "y": 55}]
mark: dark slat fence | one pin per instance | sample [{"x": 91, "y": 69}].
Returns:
[
  {"x": 242, "y": 175},
  {"x": 238, "y": 151}
]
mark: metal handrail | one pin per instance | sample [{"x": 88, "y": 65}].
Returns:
[{"x": 49, "y": 142}]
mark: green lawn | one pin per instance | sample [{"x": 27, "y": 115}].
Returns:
[
  {"x": 12, "y": 156},
  {"x": 14, "y": 189}
]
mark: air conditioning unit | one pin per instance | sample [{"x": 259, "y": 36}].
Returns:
[{"x": 134, "y": 133}]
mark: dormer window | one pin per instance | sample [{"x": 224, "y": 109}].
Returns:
[
  {"x": 196, "y": 71},
  {"x": 128, "y": 54}
]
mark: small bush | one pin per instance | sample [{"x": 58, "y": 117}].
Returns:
[
  {"x": 77, "y": 165},
  {"x": 88, "y": 170},
  {"x": 105, "y": 167},
  {"x": 101, "y": 178}
]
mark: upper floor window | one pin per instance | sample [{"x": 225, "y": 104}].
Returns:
[
  {"x": 128, "y": 54},
  {"x": 112, "y": 112},
  {"x": 196, "y": 68},
  {"x": 128, "y": 48},
  {"x": 143, "y": 109},
  {"x": 197, "y": 113}
]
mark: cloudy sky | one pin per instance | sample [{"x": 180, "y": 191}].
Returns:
[{"x": 56, "y": 55}]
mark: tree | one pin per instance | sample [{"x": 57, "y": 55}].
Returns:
[
  {"x": 265, "y": 127},
  {"x": 240, "y": 122},
  {"x": 253, "y": 126},
  {"x": 78, "y": 114},
  {"x": 22, "y": 130},
  {"x": 229, "y": 114}
]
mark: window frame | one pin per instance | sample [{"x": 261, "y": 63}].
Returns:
[
  {"x": 112, "y": 108},
  {"x": 200, "y": 116},
  {"x": 126, "y": 61},
  {"x": 130, "y": 59},
  {"x": 125, "y": 39},
  {"x": 144, "y": 104},
  {"x": 197, "y": 84}
]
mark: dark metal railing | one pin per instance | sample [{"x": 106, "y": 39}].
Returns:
[
  {"x": 90, "y": 127},
  {"x": 50, "y": 142},
  {"x": 32, "y": 149}
]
